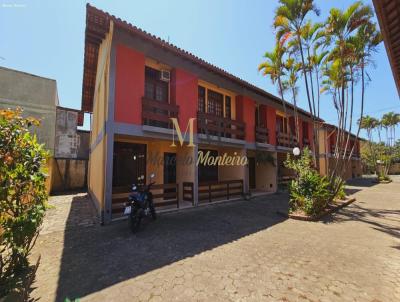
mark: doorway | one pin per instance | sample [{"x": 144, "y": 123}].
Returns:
[
  {"x": 129, "y": 164},
  {"x": 169, "y": 168}
]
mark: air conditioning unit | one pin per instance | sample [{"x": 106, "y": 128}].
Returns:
[{"x": 165, "y": 75}]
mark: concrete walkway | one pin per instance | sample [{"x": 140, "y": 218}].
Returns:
[{"x": 241, "y": 251}]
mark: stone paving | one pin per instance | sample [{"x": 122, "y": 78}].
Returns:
[{"x": 239, "y": 251}]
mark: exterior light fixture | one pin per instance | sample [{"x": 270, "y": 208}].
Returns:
[{"x": 296, "y": 151}]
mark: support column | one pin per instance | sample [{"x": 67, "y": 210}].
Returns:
[
  {"x": 107, "y": 214},
  {"x": 186, "y": 169},
  {"x": 196, "y": 175},
  {"x": 109, "y": 137}
]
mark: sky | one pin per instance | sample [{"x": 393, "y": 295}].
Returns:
[{"x": 46, "y": 38}]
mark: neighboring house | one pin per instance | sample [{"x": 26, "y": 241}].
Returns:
[
  {"x": 388, "y": 14},
  {"x": 71, "y": 152},
  {"x": 38, "y": 97},
  {"x": 133, "y": 83}
]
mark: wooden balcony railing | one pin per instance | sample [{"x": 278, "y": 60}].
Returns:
[
  {"x": 356, "y": 153},
  {"x": 220, "y": 190},
  {"x": 219, "y": 126},
  {"x": 188, "y": 192},
  {"x": 157, "y": 113},
  {"x": 286, "y": 140},
  {"x": 262, "y": 135}
]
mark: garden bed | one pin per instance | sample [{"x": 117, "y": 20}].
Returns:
[
  {"x": 382, "y": 181},
  {"x": 332, "y": 207}
]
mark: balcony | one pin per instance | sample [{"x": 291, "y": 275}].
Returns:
[
  {"x": 356, "y": 153},
  {"x": 286, "y": 140},
  {"x": 262, "y": 135},
  {"x": 157, "y": 113},
  {"x": 210, "y": 124}
]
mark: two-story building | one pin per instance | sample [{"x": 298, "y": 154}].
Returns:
[
  {"x": 350, "y": 156},
  {"x": 134, "y": 83}
]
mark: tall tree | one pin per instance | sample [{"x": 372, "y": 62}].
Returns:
[
  {"x": 390, "y": 121},
  {"x": 348, "y": 53},
  {"x": 290, "y": 19},
  {"x": 273, "y": 67},
  {"x": 369, "y": 123}
]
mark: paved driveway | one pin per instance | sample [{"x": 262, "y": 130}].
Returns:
[{"x": 241, "y": 251}]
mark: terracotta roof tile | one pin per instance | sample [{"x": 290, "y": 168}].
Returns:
[{"x": 92, "y": 20}]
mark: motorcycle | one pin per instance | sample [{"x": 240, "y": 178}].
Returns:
[{"x": 140, "y": 204}]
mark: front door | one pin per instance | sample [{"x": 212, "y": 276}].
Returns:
[
  {"x": 252, "y": 172},
  {"x": 169, "y": 168},
  {"x": 129, "y": 164}
]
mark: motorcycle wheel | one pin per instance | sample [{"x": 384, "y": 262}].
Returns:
[
  {"x": 134, "y": 221},
  {"x": 153, "y": 212}
]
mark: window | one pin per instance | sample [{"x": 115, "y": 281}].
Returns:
[
  {"x": 281, "y": 124},
  {"x": 202, "y": 99},
  {"x": 215, "y": 101},
  {"x": 261, "y": 116},
  {"x": 256, "y": 118},
  {"x": 155, "y": 89},
  {"x": 228, "y": 110}
]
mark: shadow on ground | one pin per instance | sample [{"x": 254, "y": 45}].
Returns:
[
  {"x": 357, "y": 184},
  {"x": 97, "y": 257},
  {"x": 362, "y": 182},
  {"x": 380, "y": 219}
]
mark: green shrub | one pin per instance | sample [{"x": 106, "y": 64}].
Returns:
[
  {"x": 341, "y": 194},
  {"x": 22, "y": 195},
  {"x": 382, "y": 177},
  {"x": 309, "y": 191}
]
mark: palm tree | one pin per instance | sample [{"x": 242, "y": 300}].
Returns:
[
  {"x": 390, "y": 121},
  {"x": 292, "y": 69},
  {"x": 316, "y": 61},
  {"x": 386, "y": 123},
  {"x": 290, "y": 18},
  {"x": 369, "y": 123},
  {"x": 364, "y": 43},
  {"x": 341, "y": 26},
  {"x": 336, "y": 52},
  {"x": 312, "y": 35},
  {"x": 273, "y": 67},
  {"x": 289, "y": 21}
]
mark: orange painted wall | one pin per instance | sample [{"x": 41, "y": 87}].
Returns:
[
  {"x": 271, "y": 125},
  {"x": 184, "y": 93},
  {"x": 245, "y": 112},
  {"x": 129, "y": 85}
]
